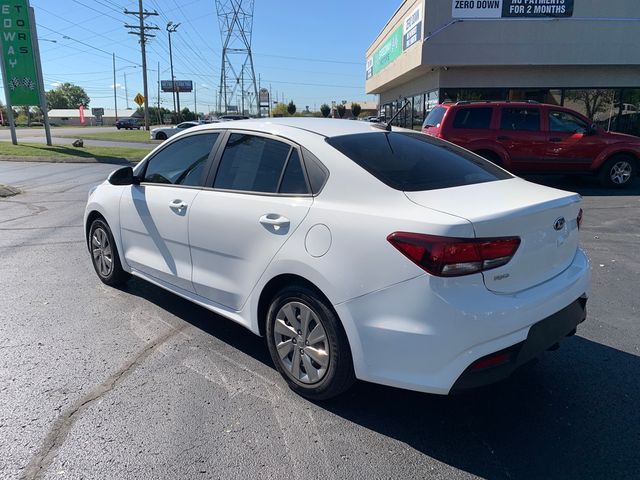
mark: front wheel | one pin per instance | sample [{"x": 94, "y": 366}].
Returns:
[
  {"x": 104, "y": 255},
  {"x": 308, "y": 344},
  {"x": 161, "y": 136},
  {"x": 618, "y": 171}
]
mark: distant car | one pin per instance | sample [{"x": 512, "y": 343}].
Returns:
[
  {"x": 357, "y": 252},
  {"x": 529, "y": 137},
  {"x": 163, "y": 133},
  {"x": 128, "y": 124}
]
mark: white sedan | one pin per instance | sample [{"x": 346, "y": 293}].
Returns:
[
  {"x": 355, "y": 250},
  {"x": 162, "y": 133}
]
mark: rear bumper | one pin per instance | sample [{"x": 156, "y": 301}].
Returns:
[
  {"x": 541, "y": 337},
  {"x": 423, "y": 334}
]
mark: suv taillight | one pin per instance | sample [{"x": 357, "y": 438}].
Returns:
[{"x": 452, "y": 257}]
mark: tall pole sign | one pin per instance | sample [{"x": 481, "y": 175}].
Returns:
[{"x": 20, "y": 61}]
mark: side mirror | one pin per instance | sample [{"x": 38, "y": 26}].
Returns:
[
  {"x": 123, "y": 176},
  {"x": 593, "y": 129}
]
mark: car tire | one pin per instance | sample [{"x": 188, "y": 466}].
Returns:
[
  {"x": 328, "y": 371},
  {"x": 118, "y": 128},
  {"x": 618, "y": 171},
  {"x": 104, "y": 254},
  {"x": 161, "y": 136}
]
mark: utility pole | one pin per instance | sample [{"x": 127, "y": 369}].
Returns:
[
  {"x": 142, "y": 33},
  {"x": 195, "y": 101},
  {"x": 126, "y": 91},
  {"x": 171, "y": 28},
  {"x": 159, "y": 117},
  {"x": 115, "y": 97}
]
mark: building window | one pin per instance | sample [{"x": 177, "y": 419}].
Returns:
[
  {"x": 473, "y": 94},
  {"x": 418, "y": 112}
]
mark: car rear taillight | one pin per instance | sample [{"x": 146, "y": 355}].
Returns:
[
  {"x": 579, "y": 219},
  {"x": 451, "y": 257}
]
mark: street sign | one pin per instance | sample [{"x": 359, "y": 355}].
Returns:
[
  {"x": 139, "y": 99},
  {"x": 18, "y": 56}
]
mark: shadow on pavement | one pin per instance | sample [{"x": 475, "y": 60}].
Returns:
[
  {"x": 575, "y": 414},
  {"x": 585, "y": 185}
]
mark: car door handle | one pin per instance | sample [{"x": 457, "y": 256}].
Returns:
[
  {"x": 555, "y": 139},
  {"x": 503, "y": 138},
  {"x": 178, "y": 205},
  {"x": 274, "y": 220}
]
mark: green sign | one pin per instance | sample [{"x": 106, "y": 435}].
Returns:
[
  {"x": 390, "y": 49},
  {"x": 17, "y": 53}
]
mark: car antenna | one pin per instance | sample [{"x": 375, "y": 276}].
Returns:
[{"x": 387, "y": 125}]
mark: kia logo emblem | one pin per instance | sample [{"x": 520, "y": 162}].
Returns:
[{"x": 559, "y": 224}]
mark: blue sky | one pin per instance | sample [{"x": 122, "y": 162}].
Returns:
[{"x": 311, "y": 52}]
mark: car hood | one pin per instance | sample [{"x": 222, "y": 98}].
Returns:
[{"x": 623, "y": 137}]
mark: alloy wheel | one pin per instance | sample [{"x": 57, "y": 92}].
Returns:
[
  {"x": 102, "y": 252},
  {"x": 620, "y": 172},
  {"x": 301, "y": 342}
]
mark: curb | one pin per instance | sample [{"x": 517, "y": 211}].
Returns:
[
  {"x": 8, "y": 191},
  {"x": 115, "y": 161}
]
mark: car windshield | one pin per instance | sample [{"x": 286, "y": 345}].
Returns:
[{"x": 415, "y": 162}]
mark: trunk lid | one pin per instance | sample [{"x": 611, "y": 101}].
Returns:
[{"x": 515, "y": 207}]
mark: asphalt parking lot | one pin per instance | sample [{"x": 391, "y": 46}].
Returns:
[{"x": 97, "y": 382}]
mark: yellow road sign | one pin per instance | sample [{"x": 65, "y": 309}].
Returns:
[{"x": 139, "y": 99}]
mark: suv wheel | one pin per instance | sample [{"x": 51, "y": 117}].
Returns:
[
  {"x": 618, "y": 171},
  {"x": 161, "y": 136},
  {"x": 308, "y": 344}
]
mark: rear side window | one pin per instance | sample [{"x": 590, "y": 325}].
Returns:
[
  {"x": 293, "y": 180},
  {"x": 414, "y": 162},
  {"x": 475, "y": 118},
  {"x": 252, "y": 164},
  {"x": 522, "y": 119},
  {"x": 434, "y": 118}
]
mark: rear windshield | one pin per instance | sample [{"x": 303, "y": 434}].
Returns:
[
  {"x": 414, "y": 161},
  {"x": 435, "y": 117}
]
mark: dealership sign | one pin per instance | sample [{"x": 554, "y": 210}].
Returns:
[
  {"x": 180, "y": 85},
  {"x": 412, "y": 28},
  {"x": 401, "y": 38},
  {"x": 511, "y": 8},
  {"x": 18, "y": 55}
]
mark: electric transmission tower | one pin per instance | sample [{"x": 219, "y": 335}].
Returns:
[{"x": 238, "y": 89}]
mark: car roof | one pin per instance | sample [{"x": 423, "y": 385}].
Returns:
[{"x": 327, "y": 127}]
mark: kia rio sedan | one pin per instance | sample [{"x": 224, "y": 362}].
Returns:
[{"x": 357, "y": 251}]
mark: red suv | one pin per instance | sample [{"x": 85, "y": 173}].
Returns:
[{"x": 537, "y": 138}]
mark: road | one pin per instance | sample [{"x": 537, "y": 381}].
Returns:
[
  {"x": 37, "y": 135},
  {"x": 97, "y": 382}
]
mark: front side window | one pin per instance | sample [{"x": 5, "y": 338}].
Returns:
[
  {"x": 182, "y": 162},
  {"x": 473, "y": 118},
  {"x": 251, "y": 163},
  {"x": 414, "y": 161},
  {"x": 560, "y": 121},
  {"x": 520, "y": 119}
]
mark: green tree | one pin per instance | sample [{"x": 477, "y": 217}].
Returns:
[
  {"x": 291, "y": 108},
  {"x": 67, "y": 95},
  {"x": 356, "y": 109},
  {"x": 280, "y": 110},
  {"x": 325, "y": 110},
  {"x": 341, "y": 110},
  {"x": 594, "y": 101}
]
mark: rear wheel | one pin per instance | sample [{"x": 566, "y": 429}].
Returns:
[
  {"x": 104, "y": 254},
  {"x": 618, "y": 171},
  {"x": 161, "y": 136},
  {"x": 308, "y": 344}
]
